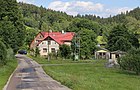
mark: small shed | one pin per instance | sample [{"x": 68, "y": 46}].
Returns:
[
  {"x": 102, "y": 54},
  {"x": 116, "y": 54}
]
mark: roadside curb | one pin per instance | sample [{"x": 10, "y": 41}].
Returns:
[{"x": 5, "y": 87}]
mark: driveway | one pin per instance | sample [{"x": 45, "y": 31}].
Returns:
[{"x": 29, "y": 75}]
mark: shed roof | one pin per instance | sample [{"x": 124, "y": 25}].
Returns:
[{"x": 102, "y": 51}]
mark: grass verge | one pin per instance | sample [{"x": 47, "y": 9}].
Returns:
[{"x": 6, "y": 71}]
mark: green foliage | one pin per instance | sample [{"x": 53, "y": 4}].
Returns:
[
  {"x": 30, "y": 35},
  {"x": 65, "y": 51},
  {"x": 87, "y": 42},
  {"x": 42, "y": 18},
  {"x": 12, "y": 30},
  {"x": 131, "y": 61},
  {"x": 78, "y": 24},
  {"x": 37, "y": 51},
  {"x": 10, "y": 54},
  {"x": 120, "y": 39},
  {"x": 3, "y": 54}
]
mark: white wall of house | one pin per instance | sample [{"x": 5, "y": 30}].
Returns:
[
  {"x": 67, "y": 43},
  {"x": 43, "y": 47}
]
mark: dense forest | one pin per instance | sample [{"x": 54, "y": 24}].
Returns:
[{"x": 20, "y": 22}]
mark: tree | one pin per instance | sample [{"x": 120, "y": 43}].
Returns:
[
  {"x": 79, "y": 23},
  {"x": 3, "y": 53},
  {"x": 132, "y": 24},
  {"x": 85, "y": 40},
  {"x": 65, "y": 51},
  {"x": 120, "y": 39},
  {"x": 11, "y": 25}
]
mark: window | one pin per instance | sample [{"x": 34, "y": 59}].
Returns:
[
  {"x": 44, "y": 50},
  {"x": 53, "y": 50}
]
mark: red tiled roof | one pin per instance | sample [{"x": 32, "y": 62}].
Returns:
[{"x": 59, "y": 37}]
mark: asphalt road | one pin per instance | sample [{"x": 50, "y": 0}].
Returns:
[{"x": 29, "y": 75}]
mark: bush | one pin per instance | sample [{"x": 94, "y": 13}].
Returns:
[
  {"x": 131, "y": 61},
  {"x": 3, "y": 53},
  {"x": 10, "y": 54},
  {"x": 65, "y": 51}
]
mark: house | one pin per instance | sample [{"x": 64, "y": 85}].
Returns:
[
  {"x": 102, "y": 54},
  {"x": 50, "y": 41}
]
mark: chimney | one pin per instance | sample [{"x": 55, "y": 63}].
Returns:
[
  {"x": 50, "y": 31},
  {"x": 63, "y": 32}
]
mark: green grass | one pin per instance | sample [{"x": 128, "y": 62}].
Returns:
[
  {"x": 41, "y": 60},
  {"x": 93, "y": 76},
  {"x": 5, "y": 72}
]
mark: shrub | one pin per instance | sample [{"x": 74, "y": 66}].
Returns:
[
  {"x": 3, "y": 53},
  {"x": 37, "y": 51},
  {"x": 131, "y": 61},
  {"x": 65, "y": 51}
]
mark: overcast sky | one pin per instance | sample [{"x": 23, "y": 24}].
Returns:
[{"x": 103, "y": 8}]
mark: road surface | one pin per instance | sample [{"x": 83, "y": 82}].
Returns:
[{"x": 29, "y": 75}]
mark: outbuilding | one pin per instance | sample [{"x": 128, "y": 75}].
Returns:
[
  {"x": 116, "y": 54},
  {"x": 102, "y": 54}
]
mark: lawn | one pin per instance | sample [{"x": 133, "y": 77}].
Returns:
[
  {"x": 93, "y": 75},
  {"x": 5, "y": 72}
]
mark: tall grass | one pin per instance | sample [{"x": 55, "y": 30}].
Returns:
[{"x": 6, "y": 71}]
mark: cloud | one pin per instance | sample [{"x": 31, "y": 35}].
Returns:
[
  {"x": 26, "y": 1},
  {"x": 118, "y": 10},
  {"x": 76, "y": 7},
  {"x": 86, "y": 7}
]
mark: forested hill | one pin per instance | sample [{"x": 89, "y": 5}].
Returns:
[{"x": 44, "y": 19}]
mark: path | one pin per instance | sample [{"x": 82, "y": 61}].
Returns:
[{"x": 29, "y": 75}]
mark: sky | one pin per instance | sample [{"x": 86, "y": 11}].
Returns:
[{"x": 102, "y": 8}]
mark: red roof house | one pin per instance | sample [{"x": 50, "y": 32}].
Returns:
[{"x": 55, "y": 38}]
